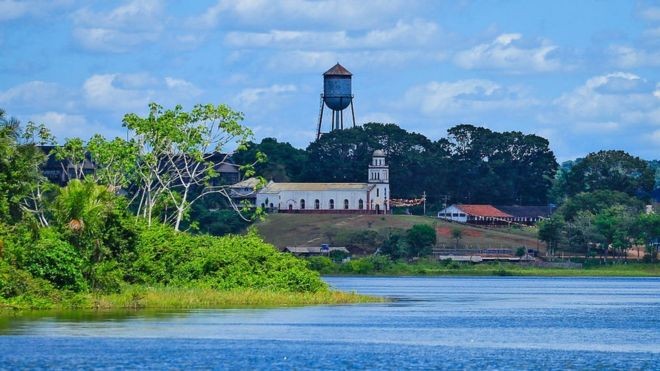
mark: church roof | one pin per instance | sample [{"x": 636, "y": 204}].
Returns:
[{"x": 273, "y": 187}]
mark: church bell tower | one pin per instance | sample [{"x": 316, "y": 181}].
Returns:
[{"x": 379, "y": 176}]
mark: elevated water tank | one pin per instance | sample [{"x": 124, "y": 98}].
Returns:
[{"x": 337, "y": 93}]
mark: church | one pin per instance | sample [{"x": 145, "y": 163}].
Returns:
[{"x": 350, "y": 198}]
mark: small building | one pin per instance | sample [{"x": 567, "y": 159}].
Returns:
[
  {"x": 528, "y": 215},
  {"x": 357, "y": 198},
  {"x": 314, "y": 250},
  {"x": 475, "y": 214}
]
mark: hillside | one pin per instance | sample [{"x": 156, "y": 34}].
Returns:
[{"x": 284, "y": 230}]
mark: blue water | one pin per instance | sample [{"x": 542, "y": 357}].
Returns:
[{"x": 435, "y": 323}]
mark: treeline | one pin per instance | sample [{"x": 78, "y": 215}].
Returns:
[
  {"x": 471, "y": 165},
  {"x": 118, "y": 227}
]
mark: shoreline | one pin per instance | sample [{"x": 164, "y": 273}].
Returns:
[{"x": 177, "y": 298}]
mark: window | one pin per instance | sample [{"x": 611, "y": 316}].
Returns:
[
  {"x": 385, "y": 192},
  {"x": 360, "y": 204},
  {"x": 455, "y": 215},
  {"x": 302, "y": 204},
  {"x": 271, "y": 205},
  {"x": 317, "y": 204},
  {"x": 332, "y": 204},
  {"x": 377, "y": 192},
  {"x": 345, "y": 204}
]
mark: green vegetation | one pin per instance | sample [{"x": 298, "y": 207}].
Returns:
[
  {"x": 87, "y": 246},
  {"x": 384, "y": 266}
]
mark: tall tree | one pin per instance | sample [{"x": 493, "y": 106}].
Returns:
[
  {"x": 611, "y": 170},
  {"x": 179, "y": 153}
]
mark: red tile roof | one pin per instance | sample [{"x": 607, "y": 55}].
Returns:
[{"x": 483, "y": 210}]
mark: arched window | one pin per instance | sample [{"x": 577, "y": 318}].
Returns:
[
  {"x": 345, "y": 204},
  {"x": 302, "y": 204},
  {"x": 317, "y": 204},
  {"x": 377, "y": 192},
  {"x": 360, "y": 204},
  {"x": 271, "y": 205},
  {"x": 332, "y": 204}
]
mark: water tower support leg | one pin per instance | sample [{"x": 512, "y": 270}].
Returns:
[
  {"x": 342, "y": 119},
  {"x": 353, "y": 112},
  {"x": 318, "y": 128}
]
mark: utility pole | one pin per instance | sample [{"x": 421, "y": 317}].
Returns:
[{"x": 424, "y": 200}]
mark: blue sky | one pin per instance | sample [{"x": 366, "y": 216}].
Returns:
[{"x": 584, "y": 74}]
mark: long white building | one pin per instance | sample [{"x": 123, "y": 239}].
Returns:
[{"x": 370, "y": 197}]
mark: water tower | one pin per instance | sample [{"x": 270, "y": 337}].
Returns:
[{"x": 337, "y": 96}]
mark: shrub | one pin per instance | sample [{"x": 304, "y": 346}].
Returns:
[
  {"x": 56, "y": 261},
  {"x": 322, "y": 264}
]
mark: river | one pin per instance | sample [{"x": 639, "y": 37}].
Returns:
[{"x": 433, "y": 323}]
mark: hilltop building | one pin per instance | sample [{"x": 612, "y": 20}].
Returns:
[
  {"x": 489, "y": 214},
  {"x": 358, "y": 198}
]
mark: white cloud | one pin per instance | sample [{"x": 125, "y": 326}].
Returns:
[
  {"x": 615, "y": 97},
  {"x": 14, "y": 9},
  {"x": 346, "y": 14},
  {"x": 624, "y": 56},
  {"x": 250, "y": 96},
  {"x": 651, "y": 13},
  {"x": 64, "y": 125},
  {"x": 465, "y": 97},
  {"x": 507, "y": 52},
  {"x": 37, "y": 94},
  {"x": 121, "y": 92},
  {"x": 403, "y": 34},
  {"x": 120, "y": 30}
]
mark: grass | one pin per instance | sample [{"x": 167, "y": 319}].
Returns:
[
  {"x": 284, "y": 230},
  {"x": 431, "y": 268},
  {"x": 167, "y": 298}
]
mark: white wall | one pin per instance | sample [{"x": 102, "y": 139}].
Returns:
[
  {"x": 286, "y": 198},
  {"x": 457, "y": 214}
]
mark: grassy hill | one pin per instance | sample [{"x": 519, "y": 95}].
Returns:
[{"x": 284, "y": 230}]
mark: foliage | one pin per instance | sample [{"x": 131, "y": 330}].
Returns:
[
  {"x": 280, "y": 162},
  {"x": 550, "y": 231},
  {"x": 596, "y": 201},
  {"x": 421, "y": 238},
  {"x": 229, "y": 262},
  {"x": 55, "y": 260},
  {"x": 611, "y": 170}
]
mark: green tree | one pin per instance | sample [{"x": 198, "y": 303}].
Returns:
[
  {"x": 179, "y": 152},
  {"x": 457, "y": 235},
  {"x": 615, "y": 224},
  {"x": 550, "y": 232},
  {"x": 648, "y": 231},
  {"x": 420, "y": 238},
  {"x": 611, "y": 170},
  {"x": 283, "y": 162},
  {"x": 395, "y": 246}
]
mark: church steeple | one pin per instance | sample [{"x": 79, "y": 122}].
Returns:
[{"x": 378, "y": 169}]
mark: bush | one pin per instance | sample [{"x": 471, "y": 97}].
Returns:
[
  {"x": 19, "y": 286},
  {"x": 56, "y": 261},
  {"x": 229, "y": 262},
  {"x": 322, "y": 264}
]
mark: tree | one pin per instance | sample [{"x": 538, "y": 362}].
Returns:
[
  {"x": 648, "y": 230},
  {"x": 615, "y": 224},
  {"x": 282, "y": 162},
  {"x": 595, "y": 202},
  {"x": 611, "y": 170},
  {"x": 550, "y": 232},
  {"x": 21, "y": 181},
  {"x": 421, "y": 238},
  {"x": 395, "y": 246},
  {"x": 179, "y": 152},
  {"x": 456, "y": 234}
]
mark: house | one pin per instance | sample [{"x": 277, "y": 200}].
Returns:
[
  {"x": 61, "y": 171},
  {"x": 528, "y": 215},
  {"x": 475, "y": 214},
  {"x": 358, "y": 198},
  {"x": 244, "y": 190},
  {"x": 314, "y": 250}
]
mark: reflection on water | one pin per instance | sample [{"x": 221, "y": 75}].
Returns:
[{"x": 439, "y": 322}]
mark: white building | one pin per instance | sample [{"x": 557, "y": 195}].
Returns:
[{"x": 370, "y": 197}]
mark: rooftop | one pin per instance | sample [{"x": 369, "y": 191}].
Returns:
[
  {"x": 483, "y": 210},
  {"x": 337, "y": 70},
  {"x": 273, "y": 187}
]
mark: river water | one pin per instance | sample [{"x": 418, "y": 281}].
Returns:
[{"x": 433, "y": 323}]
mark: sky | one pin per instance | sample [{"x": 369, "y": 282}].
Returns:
[{"x": 583, "y": 74}]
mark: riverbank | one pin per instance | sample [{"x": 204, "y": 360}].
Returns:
[
  {"x": 382, "y": 266},
  {"x": 167, "y": 298}
]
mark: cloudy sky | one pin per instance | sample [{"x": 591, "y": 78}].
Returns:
[{"x": 584, "y": 74}]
